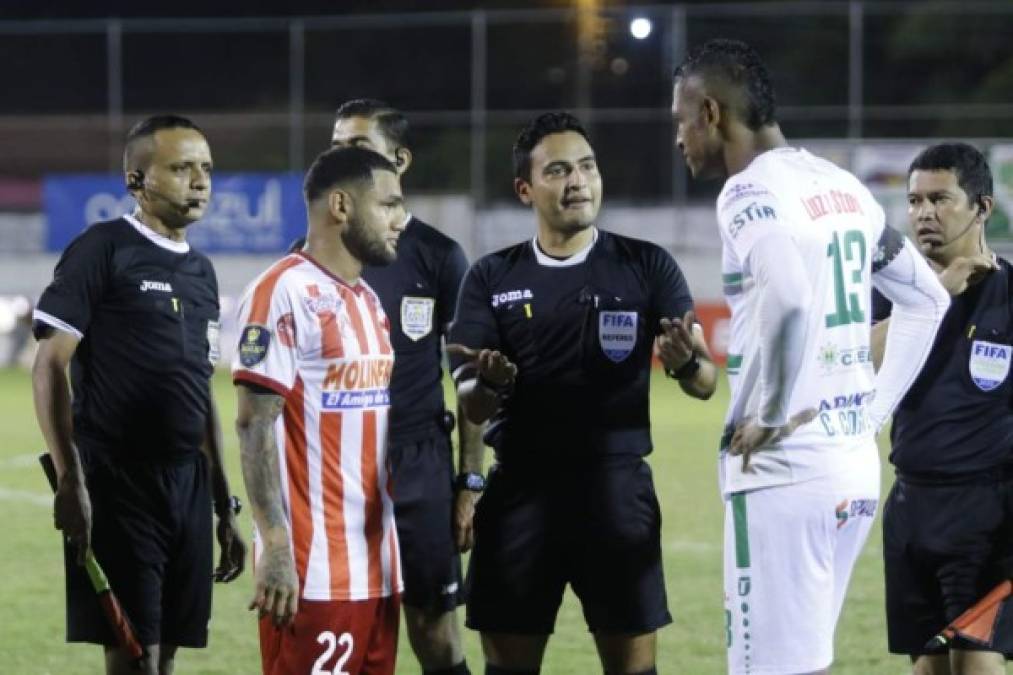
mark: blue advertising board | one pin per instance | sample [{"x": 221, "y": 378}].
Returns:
[{"x": 248, "y": 212}]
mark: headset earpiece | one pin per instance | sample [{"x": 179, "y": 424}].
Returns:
[{"x": 135, "y": 180}]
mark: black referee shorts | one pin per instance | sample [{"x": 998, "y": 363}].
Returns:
[
  {"x": 942, "y": 548},
  {"x": 422, "y": 488},
  {"x": 152, "y": 535},
  {"x": 596, "y": 527}
]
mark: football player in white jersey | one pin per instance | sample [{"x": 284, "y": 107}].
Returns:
[{"x": 803, "y": 241}]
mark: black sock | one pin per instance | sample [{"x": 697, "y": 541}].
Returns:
[
  {"x": 460, "y": 669},
  {"x": 499, "y": 670}
]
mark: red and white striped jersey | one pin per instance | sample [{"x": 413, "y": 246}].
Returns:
[{"x": 325, "y": 346}]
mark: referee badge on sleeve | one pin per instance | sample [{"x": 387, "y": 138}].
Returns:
[
  {"x": 617, "y": 334},
  {"x": 253, "y": 344},
  {"x": 417, "y": 316},
  {"x": 989, "y": 364},
  {"x": 214, "y": 345}
]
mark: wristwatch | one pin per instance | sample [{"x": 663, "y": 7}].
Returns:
[
  {"x": 232, "y": 504},
  {"x": 470, "y": 480},
  {"x": 686, "y": 370}
]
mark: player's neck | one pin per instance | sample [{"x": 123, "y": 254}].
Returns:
[
  {"x": 559, "y": 244},
  {"x": 158, "y": 226},
  {"x": 334, "y": 257},
  {"x": 746, "y": 145}
]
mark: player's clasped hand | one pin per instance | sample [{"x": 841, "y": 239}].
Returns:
[
  {"x": 277, "y": 591},
  {"x": 72, "y": 512},
  {"x": 750, "y": 436},
  {"x": 233, "y": 550},
  {"x": 493, "y": 367},
  {"x": 964, "y": 272},
  {"x": 675, "y": 344}
]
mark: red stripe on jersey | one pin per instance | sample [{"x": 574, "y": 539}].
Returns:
[
  {"x": 330, "y": 332},
  {"x": 261, "y": 381},
  {"x": 333, "y": 487},
  {"x": 382, "y": 328},
  {"x": 355, "y": 316},
  {"x": 260, "y": 307},
  {"x": 374, "y": 505},
  {"x": 298, "y": 479}
]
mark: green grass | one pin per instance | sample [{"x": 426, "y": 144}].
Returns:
[{"x": 685, "y": 434}]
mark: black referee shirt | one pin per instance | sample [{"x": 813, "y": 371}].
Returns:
[
  {"x": 957, "y": 417},
  {"x": 418, "y": 292},
  {"x": 581, "y": 336},
  {"x": 146, "y": 309}
]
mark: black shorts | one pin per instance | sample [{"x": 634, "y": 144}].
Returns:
[
  {"x": 596, "y": 527},
  {"x": 152, "y": 535},
  {"x": 422, "y": 486},
  {"x": 943, "y": 546}
]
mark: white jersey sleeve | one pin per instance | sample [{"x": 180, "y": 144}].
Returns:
[
  {"x": 750, "y": 226},
  {"x": 267, "y": 354},
  {"x": 919, "y": 304}
]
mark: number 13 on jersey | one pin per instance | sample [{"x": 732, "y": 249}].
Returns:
[{"x": 850, "y": 254}]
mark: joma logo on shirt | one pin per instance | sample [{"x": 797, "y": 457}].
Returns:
[
  {"x": 747, "y": 215},
  {"x": 163, "y": 286},
  {"x": 511, "y": 296}
]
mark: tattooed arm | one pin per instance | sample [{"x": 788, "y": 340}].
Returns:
[{"x": 277, "y": 586}]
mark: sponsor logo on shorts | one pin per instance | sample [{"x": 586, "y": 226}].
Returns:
[
  {"x": 855, "y": 508},
  {"x": 617, "y": 334},
  {"x": 162, "y": 286},
  {"x": 253, "y": 344},
  {"x": 833, "y": 359},
  {"x": 989, "y": 364},
  {"x": 511, "y": 296},
  {"x": 417, "y": 316}
]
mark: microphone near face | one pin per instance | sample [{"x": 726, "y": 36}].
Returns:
[
  {"x": 136, "y": 181},
  {"x": 928, "y": 246}
]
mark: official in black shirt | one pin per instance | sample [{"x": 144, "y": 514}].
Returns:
[
  {"x": 432, "y": 509},
  {"x": 553, "y": 341},
  {"x": 947, "y": 520},
  {"x": 134, "y": 311}
]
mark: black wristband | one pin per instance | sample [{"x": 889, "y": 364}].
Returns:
[{"x": 687, "y": 369}]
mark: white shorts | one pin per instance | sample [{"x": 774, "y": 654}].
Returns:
[{"x": 789, "y": 552}]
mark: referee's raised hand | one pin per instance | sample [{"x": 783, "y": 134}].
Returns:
[
  {"x": 493, "y": 366},
  {"x": 675, "y": 344}
]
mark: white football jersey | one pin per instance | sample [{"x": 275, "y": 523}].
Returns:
[{"x": 835, "y": 225}]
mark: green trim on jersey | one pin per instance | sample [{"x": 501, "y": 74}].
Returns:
[
  {"x": 733, "y": 363},
  {"x": 741, "y": 530},
  {"x": 732, "y": 283}
]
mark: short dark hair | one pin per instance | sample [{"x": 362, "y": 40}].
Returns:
[
  {"x": 736, "y": 64},
  {"x": 533, "y": 133},
  {"x": 391, "y": 121},
  {"x": 147, "y": 128},
  {"x": 973, "y": 173},
  {"x": 341, "y": 166}
]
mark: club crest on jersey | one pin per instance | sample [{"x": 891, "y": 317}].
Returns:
[
  {"x": 417, "y": 316},
  {"x": 214, "y": 348},
  {"x": 617, "y": 334},
  {"x": 253, "y": 344},
  {"x": 989, "y": 364}
]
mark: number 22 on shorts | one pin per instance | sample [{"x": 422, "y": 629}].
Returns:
[{"x": 332, "y": 642}]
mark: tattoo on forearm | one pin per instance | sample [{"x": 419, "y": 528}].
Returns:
[{"x": 259, "y": 452}]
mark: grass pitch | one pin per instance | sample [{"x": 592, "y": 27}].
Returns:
[{"x": 685, "y": 437}]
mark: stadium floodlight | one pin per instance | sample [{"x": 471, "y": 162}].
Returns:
[{"x": 641, "y": 27}]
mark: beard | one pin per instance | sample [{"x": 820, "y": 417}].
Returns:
[{"x": 367, "y": 247}]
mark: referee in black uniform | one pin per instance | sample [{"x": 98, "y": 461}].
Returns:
[
  {"x": 947, "y": 520},
  {"x": 134, "y": 311},
  {"x": 553, "y": 341},
  {"x": 432, "y": 508}
]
